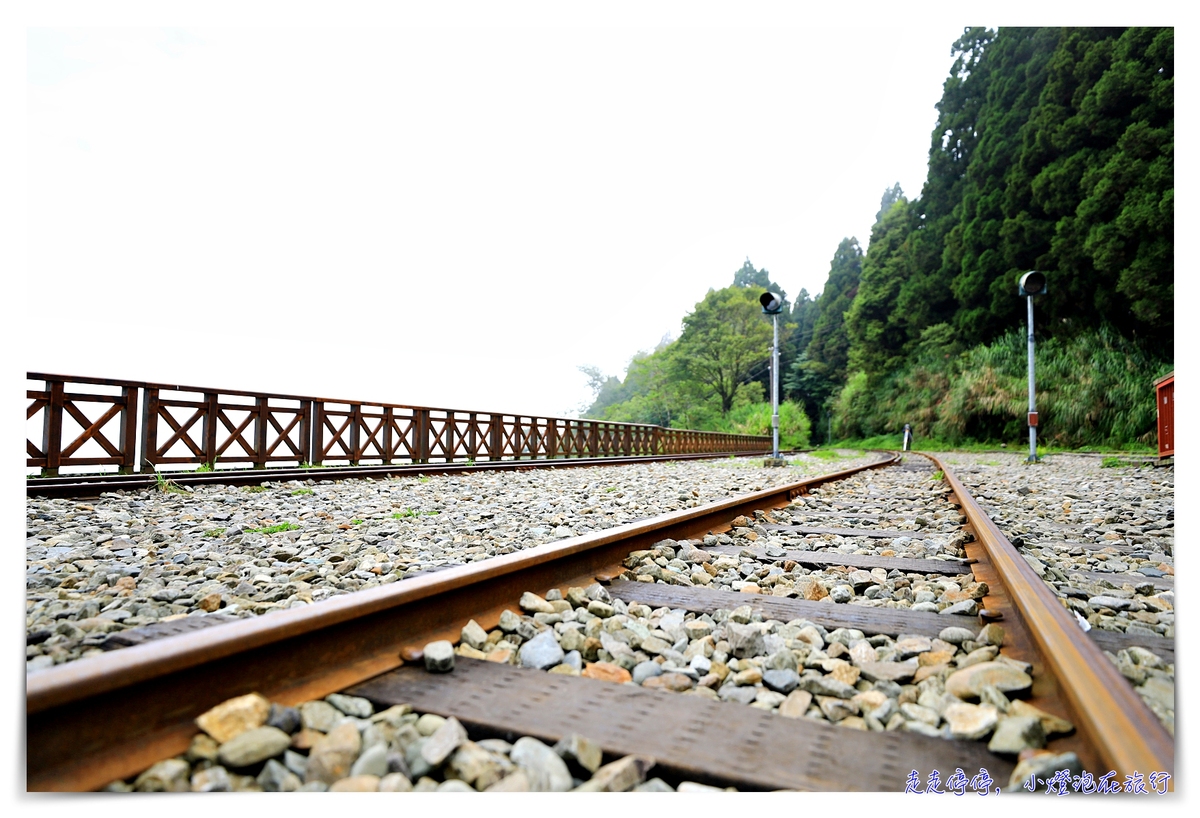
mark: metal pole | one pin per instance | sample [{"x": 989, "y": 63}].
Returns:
[
  {"x": 775, "y": 390},
  {"x": 1032, "y": 404}
]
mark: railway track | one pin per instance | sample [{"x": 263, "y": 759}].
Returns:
[
  {"x": 92, "y": 485},
  {"x": 770, "y": 679}
]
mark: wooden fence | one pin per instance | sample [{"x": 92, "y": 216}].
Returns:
[{"x": 201, "y": 427}]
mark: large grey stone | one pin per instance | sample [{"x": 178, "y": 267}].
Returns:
[
  {"x": 781, "y": 681},
  {"x": 645, "y": 670},
  {"x": 439, "y": 657},
  {"x": 969, "y": 682},
  {"x": 444, "y": 742},
  {"x": 744, "y": 640},
  {"x": 1016, "y": 733},
  {"x": 355, "y": 706},
  {"x": 738, "y": 693},
  {"x": 580, "y": 750},
  {"x": 253, "y": 746},
  {"x": 541, "y": 652},
  {"x": 275, "y": 777},
  {"x": 544, "y": 768},
  {"x": 476, "y": 766},
  {"x": 373, "y": 761},
  {"x": 621, "y": 775},
  {"x": 970, "y": 721},
  {"x": 330, "y": 758},
  {"x": 826, "y": 686},
  {"x": 320, "y": 716},
  {"x": 474, "y": 635}
]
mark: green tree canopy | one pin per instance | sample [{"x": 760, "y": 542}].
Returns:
[
  {"x": 826, "y": 353},
  {"x": 723, "y": 340}
]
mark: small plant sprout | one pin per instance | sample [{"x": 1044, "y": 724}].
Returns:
[{"x": 273, "y": 529}]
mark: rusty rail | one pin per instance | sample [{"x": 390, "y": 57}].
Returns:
[
  {"x": 208, "y": 428},
  {"x": 94, "y": 720},
  {"x": 1122, "y": 729}
]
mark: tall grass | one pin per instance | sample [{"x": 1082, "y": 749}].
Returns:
[
  {"x": 755, "y": 419},
  {"x": 1092, "y": 390}
]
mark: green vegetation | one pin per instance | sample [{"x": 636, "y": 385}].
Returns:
[
  {"x": 214, "y": 532},
  {"x": 255, "y": 489},
  {"x": 167, "y": 486},
  {"x": 273, "y": 529},
  {"x": 299, "y": 492},
  {"x": 356, "y": 522},
  {"x": 408, "y": 512},
  {"x": 938, "y": 476},
  {"x": 1053, "y": 151},
  {"x": 1093, "y": 389},
  {"x": 826, "y": 454},
  {"x": 204, "y": 467}
]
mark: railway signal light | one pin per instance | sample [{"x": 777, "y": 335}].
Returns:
[
  {"x": 772, "y": 305},
  {"x": 1031, "y": 284}
]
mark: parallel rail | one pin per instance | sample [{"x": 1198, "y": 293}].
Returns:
[
  {"x": 94, "y": 485},
  {"x": 1127, "y": 735},
  {"x": 95, "y": 720}
]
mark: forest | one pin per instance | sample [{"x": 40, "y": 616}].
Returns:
[{"x": 1053, "y": 151}]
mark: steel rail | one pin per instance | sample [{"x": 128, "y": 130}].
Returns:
[
  {"x": 94, "y": 720},
  {"x": 1122, "y": 729},
  {"x": 91, "y": 485}
]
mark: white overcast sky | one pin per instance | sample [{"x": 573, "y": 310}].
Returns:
[{"x": 448, "y": 211}]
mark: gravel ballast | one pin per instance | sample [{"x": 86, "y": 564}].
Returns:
[
  {"x": 132, "y": 559},
  {"x": 1102, "y": 538}
]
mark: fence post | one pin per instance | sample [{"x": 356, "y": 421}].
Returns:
[
  {"x": 318, "y": 433},
  {"x": 261, "y": 416},
  {"x": 473, "y": 436},
  {"x": 355, "y": 422},
  {"x": 421, "y": 434},
  {"x": 128, "y": 430},
  {"x": 52, "y": 428},
  {"x": 210, "y": 429},
  {"x": 387, "y": 436},
  {"x": 495, "y": 424},
  {"x": 306, "y": 432},
  {"x": 149, "y": 453},
  {"x": 551, "y": 438}
]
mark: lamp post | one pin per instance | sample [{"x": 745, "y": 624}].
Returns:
[
  {"x": 1031, "y": 284},
  {"x": 772, "y": 305}
]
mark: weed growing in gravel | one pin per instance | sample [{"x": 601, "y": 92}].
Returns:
[
  {"x": 408, "y": 512},
  {"x": 299, "y": 492},
  {"x": 825, "y": 454},
  {"x": 165, "y": 485},
  {"x": 938, "y": 476},
  {"x": 214, "y": 532},
  {"x": 1114, "y": 463},
  {"x": 356, "y": 522},
  {"x": 255, "y": 489},
  {"x": 273, "y": 529}
]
